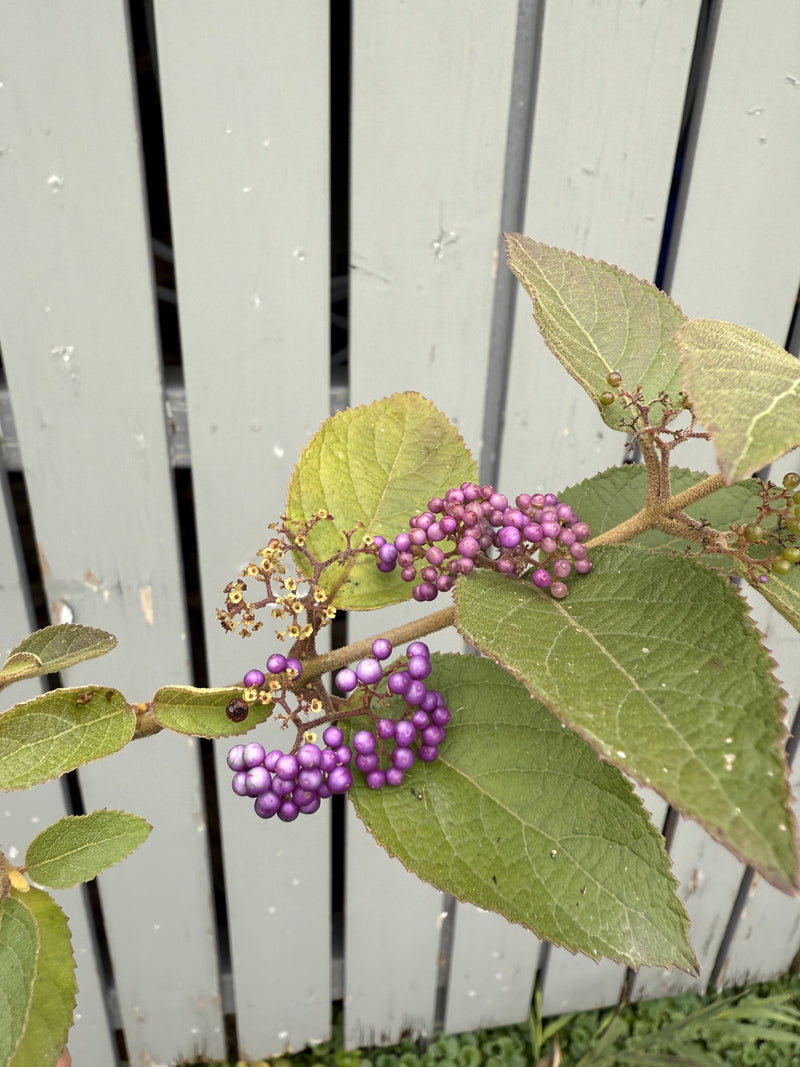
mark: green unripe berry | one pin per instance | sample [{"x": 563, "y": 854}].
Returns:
[
  {"x": 791, "y": 480},
  {"x": 615, "y": 379},
  {"x": 781, "y": 565},
  {"x": 606, "y": 398},
  {"x": 796, "y": 498},
  {"x": 793, "y": 526},
  {"x": 753, "y": 532},
  {"x": 791, "y": 553}
]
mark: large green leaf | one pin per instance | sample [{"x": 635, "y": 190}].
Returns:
[
  {"x": 596, "y": 318},
  {"x": 201, "y": 712},
  {"x": 58, "y": 731},
  {"x": 745, "y": 390},
  {"x": 78, "y": 847},
  {"x": 608, "y": 498},
  {"x": 655, "y": 661},
  {"x": 373, "y": 467},
  {"x": 54, "y": 648},
  {"x": 54, "y": 989},
  {"x": 19, "y": 949},
  {"x": 519, "y": 816}
]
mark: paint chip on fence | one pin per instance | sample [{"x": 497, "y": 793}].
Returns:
[{"x": 146, "y": 600}]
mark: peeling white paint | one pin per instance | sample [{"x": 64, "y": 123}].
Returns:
[{"x": 146, "y": 601}]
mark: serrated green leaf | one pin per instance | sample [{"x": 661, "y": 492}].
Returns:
[
  {"x": 782, "y": 591},
  {"x": 78, "y": 847},
  {"x": 59, "y": 731},
  {"x": 54, "y": 989},
  {"x": 519, "y": 816},
  {"x": 596, "y": 318},
  {"x": 745, "y": 389},
  {"x": 371, "y": 467},
  {"x": 54, "y": 648},
  {"x": 609, "y": 498},
  {"x": 655, "y": 661},
  {"x": 19, "y": 949},
  {"x": 201, "y": 712}
]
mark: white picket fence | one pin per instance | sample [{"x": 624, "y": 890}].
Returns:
[{"x": 562, "y": 119}]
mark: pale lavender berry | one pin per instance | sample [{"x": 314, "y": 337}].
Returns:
[
  {"x": 436, "y": 505},
  {"x": 364, "y": 742},
  {"x": 567, "y": 536},
  {"x": 378, "y": 541},
  {"x": 388, "y": 554},
  {"x": 294, "y": 665},
  {"x": 583, "y": 566},
  {"x": 398, "y": 682},
  {"x": 448, "y": 524},
  {"x": 283, "y": 787},
  {"x": 309, "y": 755},
  {"x": 561, "y": 568},
  {"x": 310, "y": 778},
  {"x": 434, "y": 556},
  {"x": 505, "y": 565},
  {"x": 418, "y": 648},
  {"x": 369, "y": 671},
  {"x": 381, "y": 648},
  {"x": 418, "y": 537},
  {"x": 236, "y": 758},
  {"x": 333, "y": 736},
  {"x": 558, "y": 590},
  {"x": 303, "y": 796},
  {"x": 258, "y": 780},
  {"x": 402, "y": 542},
  {"x": 239, "y": 783},
  {"x": 254, "y": 678},
  {"x": 272, "y": 758},
  {"x": 287, "y": 767},
  {"x": 394, "y": 776},
  {"x": 541, "y": 578},
  {"x": 565, "y": 512},
  {"x": 253, "y": 754},
  {"x": 375, "y": 779},
  {"x": 425, "y": 592},
  {"x": 267, "y": 805},
  {"x": 513, "y": 517},
  {"x": 327, "y": 760},
  {"x": 340, "y": 780},
  {"x": 276, "y": 663},
  {"x": 343, "y": 754},
  {"x": 463, "y": 566},
  {"x": 550, "y": 529},
  {"x": 419, "y": 667},
  {"x": 405, "y": 732},
  {"x": 582, "y": 530},
  {"x": 523, "y": 501},
  {"x": 508, "y": 537},
  {"x": 435, "y": 532},
  {"x": 550, "y": 499},
  {"x": 532, "y": 532},
  {"x": 468, "y": 547},
  {"x": 427, "y": 753},
  {"x": 498, "y": 501},
  {"x": 548, "y": 545},
  {"x": 385, "y": 728},
  {"x": 346, "y": 679},
  {"x": 578, "y": 551},
  {"x": 403, "y": 757},
  {"x": 444, "y": 583}
]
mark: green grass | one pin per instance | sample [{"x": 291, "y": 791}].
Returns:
[{"x": 754, "y": 1027}]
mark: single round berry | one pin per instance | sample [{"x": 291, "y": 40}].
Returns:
[
  {"x": 432, "y": 735},
  {"x": 364, "y": 742},
  {"x": 276, "y": 663},
  {"x": 419, "y": 667},
  {"x": 236, "y": 758},
  {"x": 287, "y": 768},
  {"x": 418, "y": 648},
  {"x": 561, "y": 568},
  {"x": 541, "y": 578},
  {"x": 294, "y": 665},
  {"x": 253, "y": 754},
  {"x": 343, "y": 754},
  {"x": 237, "y": 711},
  {"x": 381, "y": 648},
  {"x": 781, "y": 565},
  {"x": 288, "y": 811},
  {"x": 308, "y": 755},
  {"x": 310, "y": 778},
  {"x": 791, "y": 480},
  {"x": 398, "y": 682},
  {"x": 753, "y": 532},
  {"x": 367, "y": 762},
  {"x": 606, "y": 399},
  {"x": 311, "y": 807},
  {"x": 369, "y": 671},
  {"x": 403, "y": 757},
  {"x": 427, "y": 753},
  {"x": 385, "y": 728},
  {"x": 405, "y": 732},
  {"x": 415, "y": 693},
  {"x": 792, "y": 553},
  {"x": 346, "y": 679},
  {"x": 333, "y": 736},
  {"x": 340, "y": 780},
  {"x": 267, "y": 805},
  {"x": 375, "y": 779},
  {"x": 254, "y": 677},
  {"x": 440, "y": 716},
  {"x": 395, "y": 776},
  {"x": 558, "y": 590},
  {"x": 614, "y": 379},
  {"x": 258, "y": 780},
  {"x": 239, "y": 783}
]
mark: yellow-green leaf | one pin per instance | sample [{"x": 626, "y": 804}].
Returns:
[
  {"x": 78, "y": 847},
  {"x": 19, "y": 949},
  {"x": 201, "y": 712},
  {"x": 54, "y": 648}
]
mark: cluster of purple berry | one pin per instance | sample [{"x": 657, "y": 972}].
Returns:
[
  {"x": 289, "y": 784},
  {"x": 475, "y": 526}
]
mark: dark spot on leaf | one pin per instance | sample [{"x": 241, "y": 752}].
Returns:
[{"x": 494, "y": 879}]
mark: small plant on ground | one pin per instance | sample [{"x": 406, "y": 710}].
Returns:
[{"x": 615, "y": 647}]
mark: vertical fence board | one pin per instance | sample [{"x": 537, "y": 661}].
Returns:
[
  {"x": 737, "y": 260},
  {"x": 78, "y": 319},
  {"x": 245, "y": 104},
  {"x": 599, "y": 186},
  {"x": 608, "y": 111},
  {"x": 430, "y": 111}
]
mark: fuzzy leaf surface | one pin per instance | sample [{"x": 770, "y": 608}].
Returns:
[
  {"x": 58, "y": 731},
  {"x": 656, "y": 663},
  {"x": 54, "y": 648},
  {"x": 745, "y": 390},
  {"x": 519, "y": 816},
  {"x": 77, "y": 848},
  {"x": 201, "y": 712},
  {"x": 19, "y": 949},
  {"x": 54, "y": 988},
  {"x": 608, "y": 498},
  {"x": 596, "y": 318},
  {"x": 373, "y": 467}
]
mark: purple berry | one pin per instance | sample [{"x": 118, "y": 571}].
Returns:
[
  {"x": 369, "y": 671},
  {"x": 346, "y": 679},
  {"x": 258, "y": 780},
  {"x": 418, "y": 648},
  {"x": 311, "y": 807},
  {"x": 388, "y": 554},
  {"x": 427, "y": 753},
  {"x": 385, "y": 728},
  {"x": 436, "y": 505},
  {"x": 308, "y": 755},
  {"x": 398, "y": 682},
  {"x": 343, "y": 754},
  {"x": 310, "y": 778},
  {"x": 303, "y": 796},
  {"x": 468, "y": 547},
  {"x": 364, "y": 742},
  {"x": 419, "y": 667},
  {"x": 254, "y": 678},
  {"x": 415, "y": 693},
  {"x": 558, "y": 590},
  {"x": 583, "y": 566},
  {"x": 288, "y": 811},
  {"x": 440, "y": 716},
  {"x": 272, "y": 758},
  {"x": 381, "y": 648},
  {"x": 236, "y": 758},
  {"x": 239, "y": 783},
  {"x": 375, "y": 779},
  {"x": 420, "y": 719},
  {"x": 508, "y": 537},
  {"x": 578, "y": 551},
  {"x": 276, "y": 663},
  {"x": 541, "y": 578},
  {"x": 405, "y": 732},
  {"x": 367, "y": 762},
  {"x": 340, "y": 780},
  {"x": 267, "y": 804},
  {"x": 582, "y": 530},
  {"x": 432, "y": 735},
  {"x": 253, "y": 754},
  {"x": 403, "y": 757},
  {"x": 561, "y": 568},
  {"x": 333, "y": 737},
  {"x": 394, "y": 776},
  {"x": 283, "y": 787},
  {"x": 287, "y": 768},
  {"x": 294, "y": 665},
  {"x": 327, "y": 760}
]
